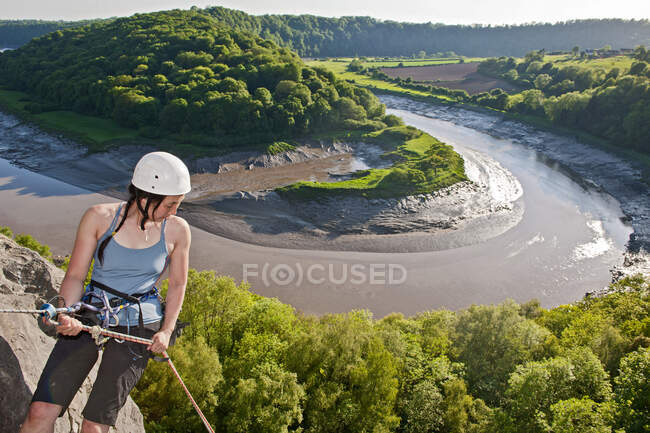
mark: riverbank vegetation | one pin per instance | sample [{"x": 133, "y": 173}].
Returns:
[
  {"x": 96, "y": 132},
  {"x": 421, "y": 164},
  {"x": 606, "y": 98},
  {"x": 256, "y": 365}
]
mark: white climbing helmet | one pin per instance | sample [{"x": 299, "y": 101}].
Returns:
[{"x": 161, "y": 173}]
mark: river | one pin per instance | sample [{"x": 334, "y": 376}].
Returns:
[{"x": 570, "y": 235}]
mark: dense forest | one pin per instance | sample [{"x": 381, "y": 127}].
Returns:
[
  {"x": 313, "y": 36},
  {"x": 182, "y": 72}
]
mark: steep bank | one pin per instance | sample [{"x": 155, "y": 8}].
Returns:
[{"x": 26, "y": 282}]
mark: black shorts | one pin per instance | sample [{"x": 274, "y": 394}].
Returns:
[{"x": 72, "y": 359}]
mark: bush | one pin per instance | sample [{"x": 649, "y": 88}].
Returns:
[
  {"x": 278, "y": 147},
  {"x": 6, "y": 231},
  {"x": 28, "y": 241},
  {"x": 392, "y": 120}
]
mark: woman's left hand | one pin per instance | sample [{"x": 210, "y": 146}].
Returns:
[{"x": 160, "y": 342}]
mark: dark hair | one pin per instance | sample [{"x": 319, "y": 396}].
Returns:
[{"x": 135, "y": 195}]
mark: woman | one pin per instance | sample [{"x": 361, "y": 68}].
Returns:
[{"x": 132, "y": 244}]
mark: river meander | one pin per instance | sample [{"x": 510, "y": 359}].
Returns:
[{"x": 570, "y": 234}]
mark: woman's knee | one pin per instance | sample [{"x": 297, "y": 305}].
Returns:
[
  {"x": 41, "y": 413},
  {"x": 93, "y": 427}
]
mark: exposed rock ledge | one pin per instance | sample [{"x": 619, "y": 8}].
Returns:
[{"x": 26, "y": 282}]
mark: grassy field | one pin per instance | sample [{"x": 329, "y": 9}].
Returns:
[
  {"x": 560, "y": 60},
  {"x": 339, "y": 68},
  {"x": 621, "y": 62},
  {"x": 422, "y": 164},
  {"x": 96, "y": 132}
]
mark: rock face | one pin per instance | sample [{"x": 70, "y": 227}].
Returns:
[
  {"x": 26, "y": 282},
  {"x": 633, "y": 263}
]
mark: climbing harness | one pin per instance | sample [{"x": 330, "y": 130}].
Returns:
[
  {"x": 48, "y": 312},
  {"x": 109, "y": 308}
]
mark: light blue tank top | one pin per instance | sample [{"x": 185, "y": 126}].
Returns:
[{"x": 132, "y": 271}]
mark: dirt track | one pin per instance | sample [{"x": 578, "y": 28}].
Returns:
[{"x": 454, "y": 76}]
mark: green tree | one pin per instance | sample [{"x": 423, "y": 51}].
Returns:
[
  {"x": 542, "y": 81},
  {"x": 355, "y": 66},
  {"x": 28, "y": 241},
  {"x": 632, "y": 392},
  {"x": 463, "y": 413},
  {"x": 535, "y": 386},
  {"x": 174, "y": 115},
  {"x": 580, "y": 416},
  {"x": 6, "y": 231},
  {"x": 638, "y": 68},
  {"x": 349, "y": 376},
  {"x": 161, "y": 398},
  {"x": 491, "y": 341},
  {"x": 267, "y": 399},
  {"x": 423, "y": 411}
]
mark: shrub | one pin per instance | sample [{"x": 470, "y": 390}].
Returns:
[{"x": 28, "y": 241}]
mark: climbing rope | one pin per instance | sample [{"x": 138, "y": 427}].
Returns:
[{"x": 48, "y": 312}]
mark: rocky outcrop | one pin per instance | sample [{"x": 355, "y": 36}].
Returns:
[
  {"x": 26, "y": 282},
  {"x": 634, "y": 263},
  {"x": 249, "y": 160}
]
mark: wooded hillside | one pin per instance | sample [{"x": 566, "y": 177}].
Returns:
[
  {"x": 313, "y": 36},
  {"x": 184, "y": 72}
]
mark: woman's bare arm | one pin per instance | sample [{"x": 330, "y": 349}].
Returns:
[
  {"x": 82, "y": 254},
  {"x": 178, "y": 268}
]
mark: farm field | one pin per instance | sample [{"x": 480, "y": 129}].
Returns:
[
  {"x": 339, "y": 68},
  {"x": 371, "y": 62},
  {"x": 453, "y": 76}
]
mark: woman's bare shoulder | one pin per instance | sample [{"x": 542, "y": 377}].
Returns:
[
  {"x": 97, "y": 218},
  {"x": 178, "y": 228},
  {"x": 103, "y": 211}
]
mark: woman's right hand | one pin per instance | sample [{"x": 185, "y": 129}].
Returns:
[{"x": 68, "y": 325}]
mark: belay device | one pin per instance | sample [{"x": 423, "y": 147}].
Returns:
[{"x": 48, "y": 312}]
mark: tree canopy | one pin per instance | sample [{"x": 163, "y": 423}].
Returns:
[
  {"x": 184, "y": 72},
  {"x": 608, "y": 103},
  {"x": 313, "y": 36},
  {"x": 489, "y": 368}
]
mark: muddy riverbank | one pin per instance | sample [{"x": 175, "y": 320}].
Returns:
[
  {"x": 585, "y": 164},
  {"x": 232, "y": 194}
]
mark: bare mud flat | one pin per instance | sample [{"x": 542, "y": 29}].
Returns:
[{"x": 463, "y": 76}]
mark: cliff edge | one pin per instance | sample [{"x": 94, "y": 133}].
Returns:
[{"x": 26, "y": 282}]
